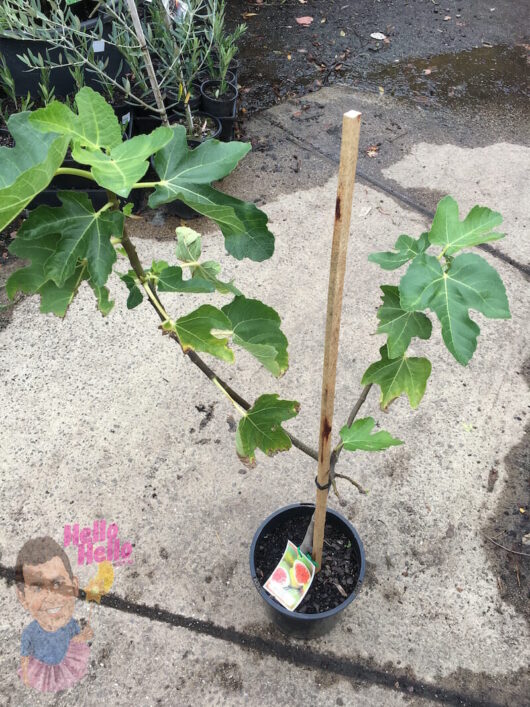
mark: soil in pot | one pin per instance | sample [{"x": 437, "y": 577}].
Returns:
[
  {"x": 6, "y": 140},
  {"x": 340, "y": 568},
  {"x": 204, "y": 127}
]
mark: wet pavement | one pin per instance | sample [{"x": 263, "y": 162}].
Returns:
[{"x": 434, "y": 52}]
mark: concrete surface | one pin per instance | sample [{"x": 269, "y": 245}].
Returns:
[{"x": 102, "y": 422}]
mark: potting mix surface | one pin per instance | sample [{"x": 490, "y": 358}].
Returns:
[{"x": 340, "y": 568}]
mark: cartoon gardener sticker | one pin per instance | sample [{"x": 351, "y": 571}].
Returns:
[{"x": 54, "y": 650}]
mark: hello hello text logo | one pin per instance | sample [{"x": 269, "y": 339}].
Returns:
[{"x": 98, "y": 543}]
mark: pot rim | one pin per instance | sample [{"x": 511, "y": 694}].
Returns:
[
  {"x": 218, "y": 82},
  {"x": 293, "y": 615}
]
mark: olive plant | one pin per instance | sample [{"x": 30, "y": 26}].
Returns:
[{"x": 73, "y": 244}]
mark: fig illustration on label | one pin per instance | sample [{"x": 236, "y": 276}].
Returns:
[{"x": 292, "y": 577}]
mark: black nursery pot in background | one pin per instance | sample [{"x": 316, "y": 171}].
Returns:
[
  {"x": 60, "y": 78},
  {"x": 294, "y": 623},
  {"x": 222, "y": 105},
  {"x": 204, "y": 75}
]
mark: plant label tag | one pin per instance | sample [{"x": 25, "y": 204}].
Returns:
[
  {"x": 98, "y": 45},
  {"x": 290, "y": 581},
  {"x": 126, "y": 119}
]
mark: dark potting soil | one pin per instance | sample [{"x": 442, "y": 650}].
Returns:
[
  {"x": 339, "y": 564},
  {"x": 203, "y": 127},
  {"x": 5, "y": 138},
  {"x": 228, "y": 95}
]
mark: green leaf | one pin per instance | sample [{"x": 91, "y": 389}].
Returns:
[
  {"x": 399, "y": 375},
  {"x": 260, "y": 427},
  {"x": 102, "y": 296},
  {"x": 127, "y": 162},
  {"x": 81, "y": 233},
  {"x": 399, "y": 325},
  {"x": 170, "y": 280},
  {"x": 135, "y": 294},
  {"x": 186, "y": 175},
  {"x": 189, "y": 244},
  {"x": 94, "y": 126},
  {"x": 212, "y": 160},
  {"x": 469, "y": 283},
  {"x": 56, "y": 299},
  {"x": 256, "y": 328},
  {"x": 451, "y": 233},
  {"x": 206, "y": 329},
  {"x": 28, "y": 167},
  {"x": 157, "y": 266},
  {"x": 189, "y": 252},
  {"x": 32, "y": 279},
  {"x": 359, "y": 436},
  {"x": 407, "y": 249}
]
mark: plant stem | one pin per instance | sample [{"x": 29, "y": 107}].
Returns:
[
  {"x": 353, "y": 414},
  {"x": 146, "y": 185},
  {"x": 240, "y": 410},
  {"x": 307, "y": 542},
  {"x": 147, "y": 57},
  {"x": 72, "y": 171},
  {"x": 352, "y": 481},
  {"x": 155, "y": 302}
]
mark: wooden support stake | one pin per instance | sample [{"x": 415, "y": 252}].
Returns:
[{"x": 351, "y": 124}]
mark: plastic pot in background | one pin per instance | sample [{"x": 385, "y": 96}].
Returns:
[
  {"x": 234, "y": 67},
  {"x": 60, "y": 78},
  {"x": 227, "y": 126},
  {"x": 292, "y": 623},
  {"x": 146, "y": 124},
  {"x": 220, "y": 106},
  {"x": 205, "y": 75}
]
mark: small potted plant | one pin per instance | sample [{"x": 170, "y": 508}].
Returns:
[{"x": 219, "y": 90}]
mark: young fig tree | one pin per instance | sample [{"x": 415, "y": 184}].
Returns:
[{"x": 75, "y": 245}]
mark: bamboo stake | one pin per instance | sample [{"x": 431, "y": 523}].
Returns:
[
  {"x": 351, "y": 123},
  {"x": 149, "y": 64}
]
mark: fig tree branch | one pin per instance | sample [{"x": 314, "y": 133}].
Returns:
[
  {"x": 157, "y": 305},
  {"x": 336, "y": 452}
]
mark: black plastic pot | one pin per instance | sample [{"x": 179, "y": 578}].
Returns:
[
  {"x": 222, "y": 106},
  {"x": 290, "y": 622},
  {"x": 60, "y": 78},
  {"x": 147, "y": 124}
]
